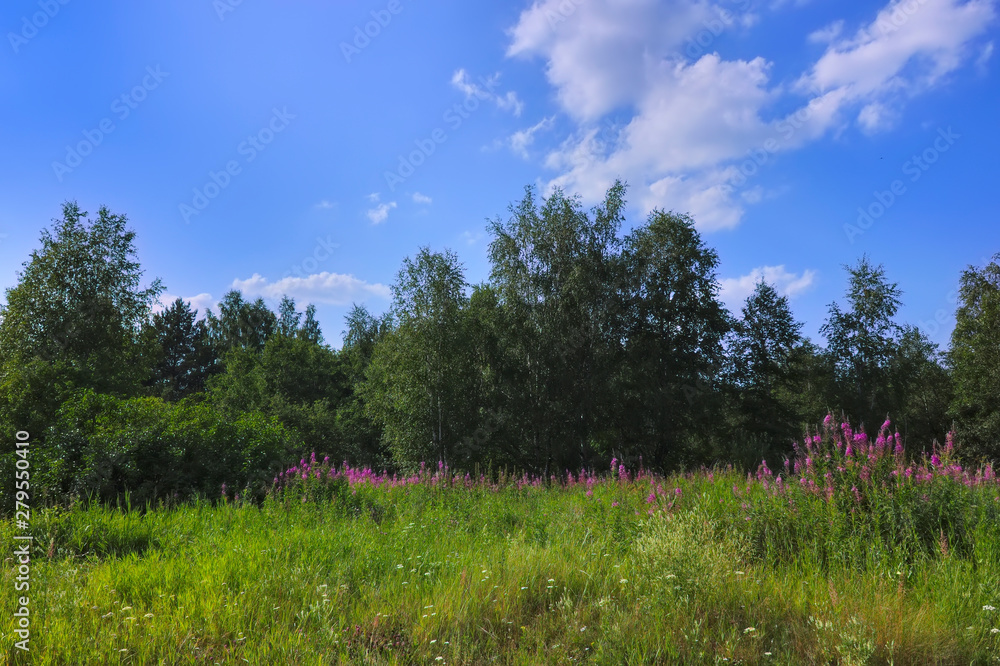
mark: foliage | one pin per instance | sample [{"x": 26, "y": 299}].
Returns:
[
  {"x": 359, "y": 567},
  {"x": 184, "y": 356},
  {"x": 975, "y": 359},
  {"x": 146, "y": 449},
  {"x": 293, "y": 379},
  {"x": 415, "y": 382},
  {"x": 73, "y": 320}
]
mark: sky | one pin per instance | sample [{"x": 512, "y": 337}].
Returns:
[{"x": 307, "y": 148}]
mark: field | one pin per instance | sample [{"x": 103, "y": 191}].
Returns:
[{"x": 851, "y": 553}]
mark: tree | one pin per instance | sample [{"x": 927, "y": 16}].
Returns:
[
  {"x": 310, "y": 327},
  {"x": 293, "y": 379},
  {"x": 921, "y": 389},
  {"x": 364, "y": 333},
  {"x": 862, "y": 342},
  {"x": 288, "y": 318},
  {"x": 184, "y": 357},
  {"x": 672, "y": 325},
  {"x": 240, "y": 323},
  {"x": 74, "y": 319},
  {"x": 415, "y": 383},
  {"x": 760, "y": 355},
  {"x": 975, "y": 360},
  {"x": 554, "y": 272}
]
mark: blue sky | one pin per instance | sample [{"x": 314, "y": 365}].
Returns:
[{"x": 307, "y": 148}]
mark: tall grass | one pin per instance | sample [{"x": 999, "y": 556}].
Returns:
[{"x": 849, "y": 554}]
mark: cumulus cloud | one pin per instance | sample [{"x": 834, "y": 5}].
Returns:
[
  {"x": 520, "y": 141},
  {"x": 688, "y": 133},
  {"x": 379, "y": 213},
  {"x": 423, "y": 199},
  {"x": 508, "y": 101},
  {"x": 326, "y": 288},
  {"x": 734, "y": 291},
  {"x": 201, "y": 303},
  {"x": 828, "y": 33}
]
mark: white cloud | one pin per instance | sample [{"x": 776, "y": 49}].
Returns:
[
  {"x": 380, "y": 213},
  {"x": 374, "y": 197},
  {"x": 984, "y": 58},
  {"x": 324, "y": 204},
  {"x": 509, "y": 101},
  {"x": 520, "y": 140},
  {"x": 687, "y": 134},
  {"x": 471, "y": 238},
  {"x": 201, "y": 303},
  {"x": 828, "y": 33},
  {"x": 322, "y": 288},
  {"x": 422, "y": 199},
  {"x": 734, "y": 291},
  {"x": 906, "y": 49}
]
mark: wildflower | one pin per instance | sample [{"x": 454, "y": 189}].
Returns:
[
  {"x": 651, "y": 498},
  {"x": 936, "y": 460},
  {"x": 828, "y": 419},
  {"x": 989, "y": 608},
  {"x": 994, "y": 630},
  {"x": 615, "y": 503}
]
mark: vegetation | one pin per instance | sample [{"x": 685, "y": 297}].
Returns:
[
  {"x": 849, "y": 553},
  {"x": 171, "y": 523}
]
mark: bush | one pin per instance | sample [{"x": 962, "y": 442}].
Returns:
[{"x": 104, "y": 447}]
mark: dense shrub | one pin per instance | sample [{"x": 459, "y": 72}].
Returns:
[{"x": 104, "y": 447}]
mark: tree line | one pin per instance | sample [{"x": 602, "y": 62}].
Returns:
[{"x": 587, "y": 342}]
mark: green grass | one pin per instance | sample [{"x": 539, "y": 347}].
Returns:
[{"x": 431, "y": 574}]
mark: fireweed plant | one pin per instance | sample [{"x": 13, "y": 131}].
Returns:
[{"x": 849, "y": 552}]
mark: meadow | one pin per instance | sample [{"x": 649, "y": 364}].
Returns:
[{"x": 850, "y": 552}]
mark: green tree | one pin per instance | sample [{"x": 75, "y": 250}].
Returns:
[
  {"x": 183, "y": 353},
  {"x": 862, "y": 343},
  {"x": 554, "y": 273},
  {"x": 975, "y": 360},
  {"x": 293, "y": 379},
  {"x": 74, "y": 319},
  {"x": 240, "y": 323},
  {"x": 673, "y": 326},
  {"x": 415, "y": 383},
  {"x": 921, "y": 390},
  {"x": 760, "y": 356},
  {"x": 363, "y": 334}
]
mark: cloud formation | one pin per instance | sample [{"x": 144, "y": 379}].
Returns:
[
  {"x": 321, "y": 288},
  {"x": 681, "y": 130}
]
